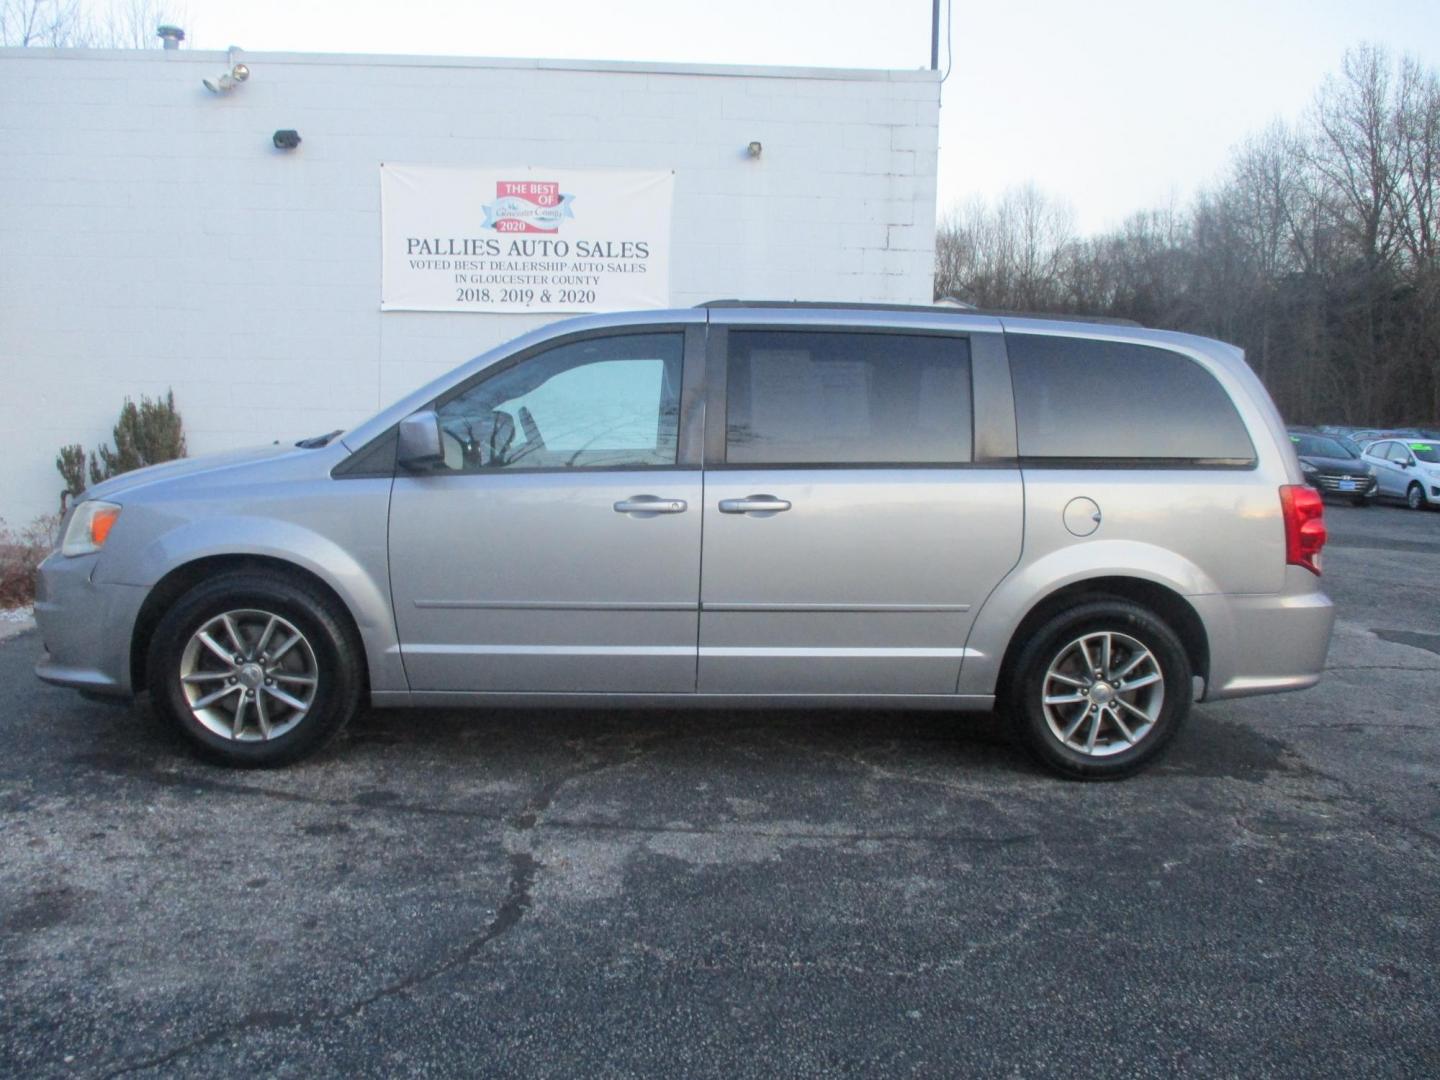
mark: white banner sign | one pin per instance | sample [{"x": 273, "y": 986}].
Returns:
[{"x": 524, "y": 239}]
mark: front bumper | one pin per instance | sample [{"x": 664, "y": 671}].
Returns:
[
  {"x": 1264, "y": 644},
  {"x": 86, "y": 629},
  {"x": 1344, "y": 485}
]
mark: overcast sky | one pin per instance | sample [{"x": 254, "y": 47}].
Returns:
[{"x": 1115, "y": 105}]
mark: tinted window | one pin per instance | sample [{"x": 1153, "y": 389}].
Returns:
[
  {"x": 798, "y": 398},
  {"x": 611, "y": 401},
  {"x": 1099, "y": 399}
]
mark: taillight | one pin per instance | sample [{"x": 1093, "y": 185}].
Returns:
[{"x": 1304, "y": 526}]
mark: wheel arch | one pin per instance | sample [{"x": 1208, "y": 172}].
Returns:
[
  {"x": 1167, "y": 604},
  {"x": 181, "y": 579}
]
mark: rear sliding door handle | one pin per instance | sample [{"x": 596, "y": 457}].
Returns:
[
  {"x": 754, "y": 504},
  {"x": 648, "y": 505}
]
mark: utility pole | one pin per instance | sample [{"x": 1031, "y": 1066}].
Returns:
[{"x": 935, "y": 36}]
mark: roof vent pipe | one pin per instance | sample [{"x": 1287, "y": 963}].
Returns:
[{"x": 171, "y": 35}]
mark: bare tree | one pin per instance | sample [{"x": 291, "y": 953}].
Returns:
[
  {"x": 1356, "y": 150},
  {"x": 1418, "y": 134},
  {"x": 42, "y": 23},
  {"x": 1417, "y": 129},
  {"x": 1319, "y": 252},
  {"x": 1007, "y": 255},
  {"x": 116, "y": 24},
  {"x": 131, "y": 24}
]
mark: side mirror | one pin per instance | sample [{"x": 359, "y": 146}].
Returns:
[{"x": 419, "y": 438}]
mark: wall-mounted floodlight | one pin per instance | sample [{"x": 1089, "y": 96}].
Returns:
[
  {"x": 754, "y": 148},
  {"x": 286, "y": 140},
  {"x": 231, "y": 77}
]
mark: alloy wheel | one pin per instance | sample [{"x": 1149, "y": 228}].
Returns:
[
  {"x": 249, "y": 675},
  {"x": 1103, "y": 693}
]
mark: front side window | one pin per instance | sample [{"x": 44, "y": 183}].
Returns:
[
  {"x": 607, "y": 402},
  {"x": 824, "y": 398},
  {"x": 1398, "y": 454},
  {"x": 1095, "y": 401}
]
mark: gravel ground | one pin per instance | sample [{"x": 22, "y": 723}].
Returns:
[{"x": 585, "y": 894}]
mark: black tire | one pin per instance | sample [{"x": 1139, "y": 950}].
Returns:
[
  {"x": 1415, "y": 497},
  {"x": 1026, "y": 689},
  {"x": 333, "y": 645}
]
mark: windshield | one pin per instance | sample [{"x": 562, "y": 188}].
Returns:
[
  {"x": 1320, "y": 446},
  {"x": 1425, "y": 452}
]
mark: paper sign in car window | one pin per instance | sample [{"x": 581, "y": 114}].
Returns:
[{"x": 1421, "y": 446}]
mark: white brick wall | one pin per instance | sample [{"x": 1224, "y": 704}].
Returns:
[{"x": 150, "y": 237}]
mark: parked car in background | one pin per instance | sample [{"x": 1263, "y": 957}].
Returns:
[
  {"x": 736, "y": 505},
  {"x": 1332, "y": 467},
  {"x": 1365, "y": 436},
  {"x": 1406, "y": 469},
  {"x": 1341, "y": 433}
]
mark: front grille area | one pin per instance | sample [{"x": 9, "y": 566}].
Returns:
[{"x": 1331, "y": 482}]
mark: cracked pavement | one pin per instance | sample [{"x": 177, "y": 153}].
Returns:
[{"x": 744, "y": 894}]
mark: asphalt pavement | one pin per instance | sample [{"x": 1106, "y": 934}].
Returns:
[{"x": 582, "y": 894}]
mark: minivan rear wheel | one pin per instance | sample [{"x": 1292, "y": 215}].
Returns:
[
  {"x": 1100, "y": 690},
  {"x": 255, "y": 669}
]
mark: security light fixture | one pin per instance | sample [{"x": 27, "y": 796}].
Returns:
[
  {"x": 230, "y": 78},
  {"x": 754, "y": 148},
  {"x": 286, "y": 140}
]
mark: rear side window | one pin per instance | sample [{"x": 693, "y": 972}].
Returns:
[
  {"x": 820, "y": 398},
  {"x": 1104, "y": 401}
]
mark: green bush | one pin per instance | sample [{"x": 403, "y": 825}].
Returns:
[
  {"x": 145, "y": 434},
  {"x": 71, "y": 463}
]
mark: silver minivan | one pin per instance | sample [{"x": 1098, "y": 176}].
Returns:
[{"x": 742, "y": 504}]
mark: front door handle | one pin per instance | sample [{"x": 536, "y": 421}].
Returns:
[
  {"x": 754, "y": 504},
  {"x": 649, "y": 505}
]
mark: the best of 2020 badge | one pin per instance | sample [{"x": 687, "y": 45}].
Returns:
[{"x": 527, "y": 206}]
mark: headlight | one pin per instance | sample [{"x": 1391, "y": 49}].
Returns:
[
  {"x": 1370, "y": 471},
  {"x": 89, "y": 527},
  {"x": 1307, "y": 468}
]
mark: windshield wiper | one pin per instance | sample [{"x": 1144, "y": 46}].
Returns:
[{"x": 317, "y": 441}]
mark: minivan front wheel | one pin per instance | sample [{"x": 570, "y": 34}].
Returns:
[
  {"x": 1100, "y": 690},
  {"x": 255, "y": 669}
]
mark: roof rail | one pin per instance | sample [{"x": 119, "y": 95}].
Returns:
[{"x": 928, "y": 309}]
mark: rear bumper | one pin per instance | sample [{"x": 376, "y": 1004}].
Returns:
[
  {"x": 85, "y": 628},
  {"x": 1269, "y": 643}
]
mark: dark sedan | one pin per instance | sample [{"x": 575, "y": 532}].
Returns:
[{"x": 1333, "y": 469}]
